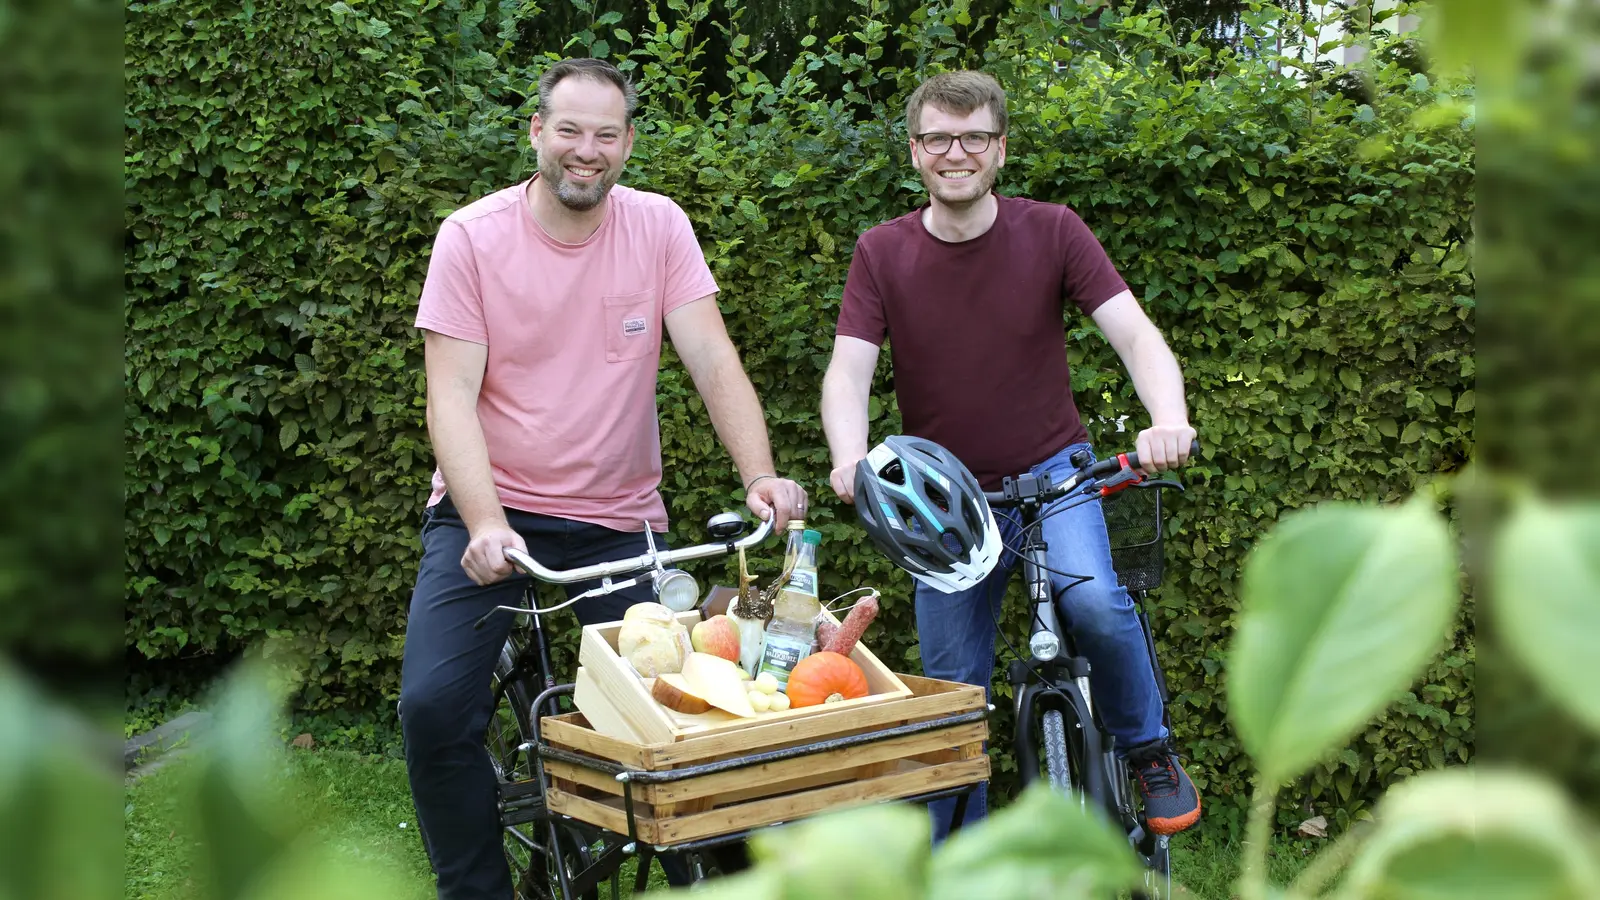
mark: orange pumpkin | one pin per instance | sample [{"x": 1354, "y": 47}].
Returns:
[{"x": 825, "y": 678}]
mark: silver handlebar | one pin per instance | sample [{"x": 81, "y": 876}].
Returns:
[
  {"x": 654, "y": 562},
  {"x": 637, "y": 563}
]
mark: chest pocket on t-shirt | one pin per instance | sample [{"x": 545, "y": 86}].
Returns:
[{"x": 631, "y": 324}]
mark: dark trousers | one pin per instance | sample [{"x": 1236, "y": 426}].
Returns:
[{"x": 446, "y": 698}]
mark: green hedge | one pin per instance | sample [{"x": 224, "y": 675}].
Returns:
[{"x": 287, "y": 169}]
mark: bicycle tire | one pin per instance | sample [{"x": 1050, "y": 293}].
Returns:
[
  {"x": 527, "y": 844},
  {"x": 1053, "y": 735}
]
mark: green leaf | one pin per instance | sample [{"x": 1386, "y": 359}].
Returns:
[
  {"x": 1467, "y": 402},
  {"x": 874, "y": 851},
  {"x": 58, "y": 800},
  {"x": 1546, "y": 599},
  {"x": 1486, "y": 34},
  {"x": 783, "y": 179},
  {"x": 1465, "y": 833},
  {"x": 1044, "y": 845},
  {"x": 1341, "y": 605},
  {"x": 289, "y": 434},
  {"x": 1412, "y": 434},
  {"x": 1259, "y": 198},
  {"x": 238, "y": 804},
  {"x": 1350, "y": 378}
]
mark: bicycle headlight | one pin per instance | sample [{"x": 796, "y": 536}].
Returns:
[
  {"x": 676, "y": 589},
  {"x": 1044, "y": 645}
]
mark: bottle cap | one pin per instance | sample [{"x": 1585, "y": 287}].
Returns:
[{"x": 812, "y": 537}]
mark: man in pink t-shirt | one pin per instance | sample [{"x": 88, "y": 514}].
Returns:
[{"x": 543, "y": 313}]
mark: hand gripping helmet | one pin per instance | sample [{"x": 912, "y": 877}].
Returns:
[{"x": 927, "y": 513}]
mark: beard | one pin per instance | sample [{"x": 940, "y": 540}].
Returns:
[
  {"x": 576, "y": 197},
  {"x": 963, "y": 194}
]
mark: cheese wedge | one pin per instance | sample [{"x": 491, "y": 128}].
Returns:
[
  {"x": 717, "y": 681},
  {"x": 673, "y": 692}
]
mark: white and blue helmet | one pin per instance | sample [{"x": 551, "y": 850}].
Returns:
[{"x": 927, "y": 513}]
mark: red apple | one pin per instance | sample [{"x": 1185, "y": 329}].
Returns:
[{"x": 718, "y": 636}]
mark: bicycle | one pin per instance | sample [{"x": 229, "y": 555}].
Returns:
[
  {"x": 553, "y": 857},
  {"x": 556, "y": 857},
  {"x": 1059, "y": 734}
]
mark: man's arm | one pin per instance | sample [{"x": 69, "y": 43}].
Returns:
[
  {"x": 846, "y": 391},
  {"x": 1156, "y": 378},
  {"x": 702, "y": 343},
  {"x": 455, "y": 375}
]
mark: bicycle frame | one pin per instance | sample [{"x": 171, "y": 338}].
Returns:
[{"x": 1055, "y": 676}]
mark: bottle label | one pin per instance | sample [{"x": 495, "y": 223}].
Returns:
[
  {"x": 781, "y": 654},
  {"x": 803, "y": 582}
]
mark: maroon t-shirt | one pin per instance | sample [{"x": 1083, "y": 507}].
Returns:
[{"x": 976, "y": 329}]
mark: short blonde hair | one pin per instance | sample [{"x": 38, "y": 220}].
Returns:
[{"x": 959, "y": 93}]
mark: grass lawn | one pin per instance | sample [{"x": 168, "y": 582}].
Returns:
[{"x": 360, "y": 804}]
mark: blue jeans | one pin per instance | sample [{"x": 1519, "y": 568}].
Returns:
[{"x": 957, "y": 631}]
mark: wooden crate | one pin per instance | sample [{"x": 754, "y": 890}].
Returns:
[
  {"x": 617, "y": 702},
  {"x": 708, "y": 805}
]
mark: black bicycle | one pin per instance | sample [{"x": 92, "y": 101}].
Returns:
[
  {"x": 554, "y": 857},
  {"x": 1059, "y": 734}
]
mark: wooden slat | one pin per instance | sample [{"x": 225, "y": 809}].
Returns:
[
  {"x": 829, "y": 767},
  {"x": 905, "y": 783},
  {"x": 604, "y": 717},
  {"x": 618, "y": 693},
  {"x": 599, "y": 781},
  {"x": 927, "y": 687},
  {"x": 781, "y": 733},
  {"x": 771, "y": 776},
  {"x": 932, "y": 698},
  {"x": 567, "y": 732},
  {"x": 603, "y": 815},
  {"x": 793, "y": 806}
]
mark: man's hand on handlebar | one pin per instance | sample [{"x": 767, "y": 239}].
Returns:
[
  {"x": 1162, "y": 447},
  {"x": 485, "y": 560},
  {"x": 778, "y": 498}
]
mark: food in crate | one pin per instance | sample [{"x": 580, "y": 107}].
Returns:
[{"x": 626, "y": 692}]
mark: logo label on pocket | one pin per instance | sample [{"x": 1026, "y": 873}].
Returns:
[{"x": 634, "y": 326}]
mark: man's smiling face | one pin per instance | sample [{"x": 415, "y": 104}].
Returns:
[
  {"x": 957, "y": 178},
  {"x": 583, "y": 141}
]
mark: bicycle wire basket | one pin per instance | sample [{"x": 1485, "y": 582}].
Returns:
[{"x": 1133, "y": 522}]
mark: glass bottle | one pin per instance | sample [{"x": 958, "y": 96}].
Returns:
[{"x": 790, "y": 634}]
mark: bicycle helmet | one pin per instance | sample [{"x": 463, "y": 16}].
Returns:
[{"x": 927, "y": 513}]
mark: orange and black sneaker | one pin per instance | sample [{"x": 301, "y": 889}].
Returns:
[{"x": 1171, "y": 802}]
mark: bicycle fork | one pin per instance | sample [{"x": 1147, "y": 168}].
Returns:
[{"x": 1071, "y": 696}]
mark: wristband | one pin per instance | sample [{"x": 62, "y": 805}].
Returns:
[{"x": 756, "y": 479}]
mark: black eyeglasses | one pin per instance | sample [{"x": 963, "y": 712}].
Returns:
[{"x": 938, "y": 143}]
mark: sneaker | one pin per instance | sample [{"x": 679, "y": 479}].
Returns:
[{"x": 1171, "y": 802}]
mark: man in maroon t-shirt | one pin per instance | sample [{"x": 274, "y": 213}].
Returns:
[{"x": 970, "y": 291}]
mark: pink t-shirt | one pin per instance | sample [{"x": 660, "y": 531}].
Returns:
[{"x": 568, "y": 404}]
